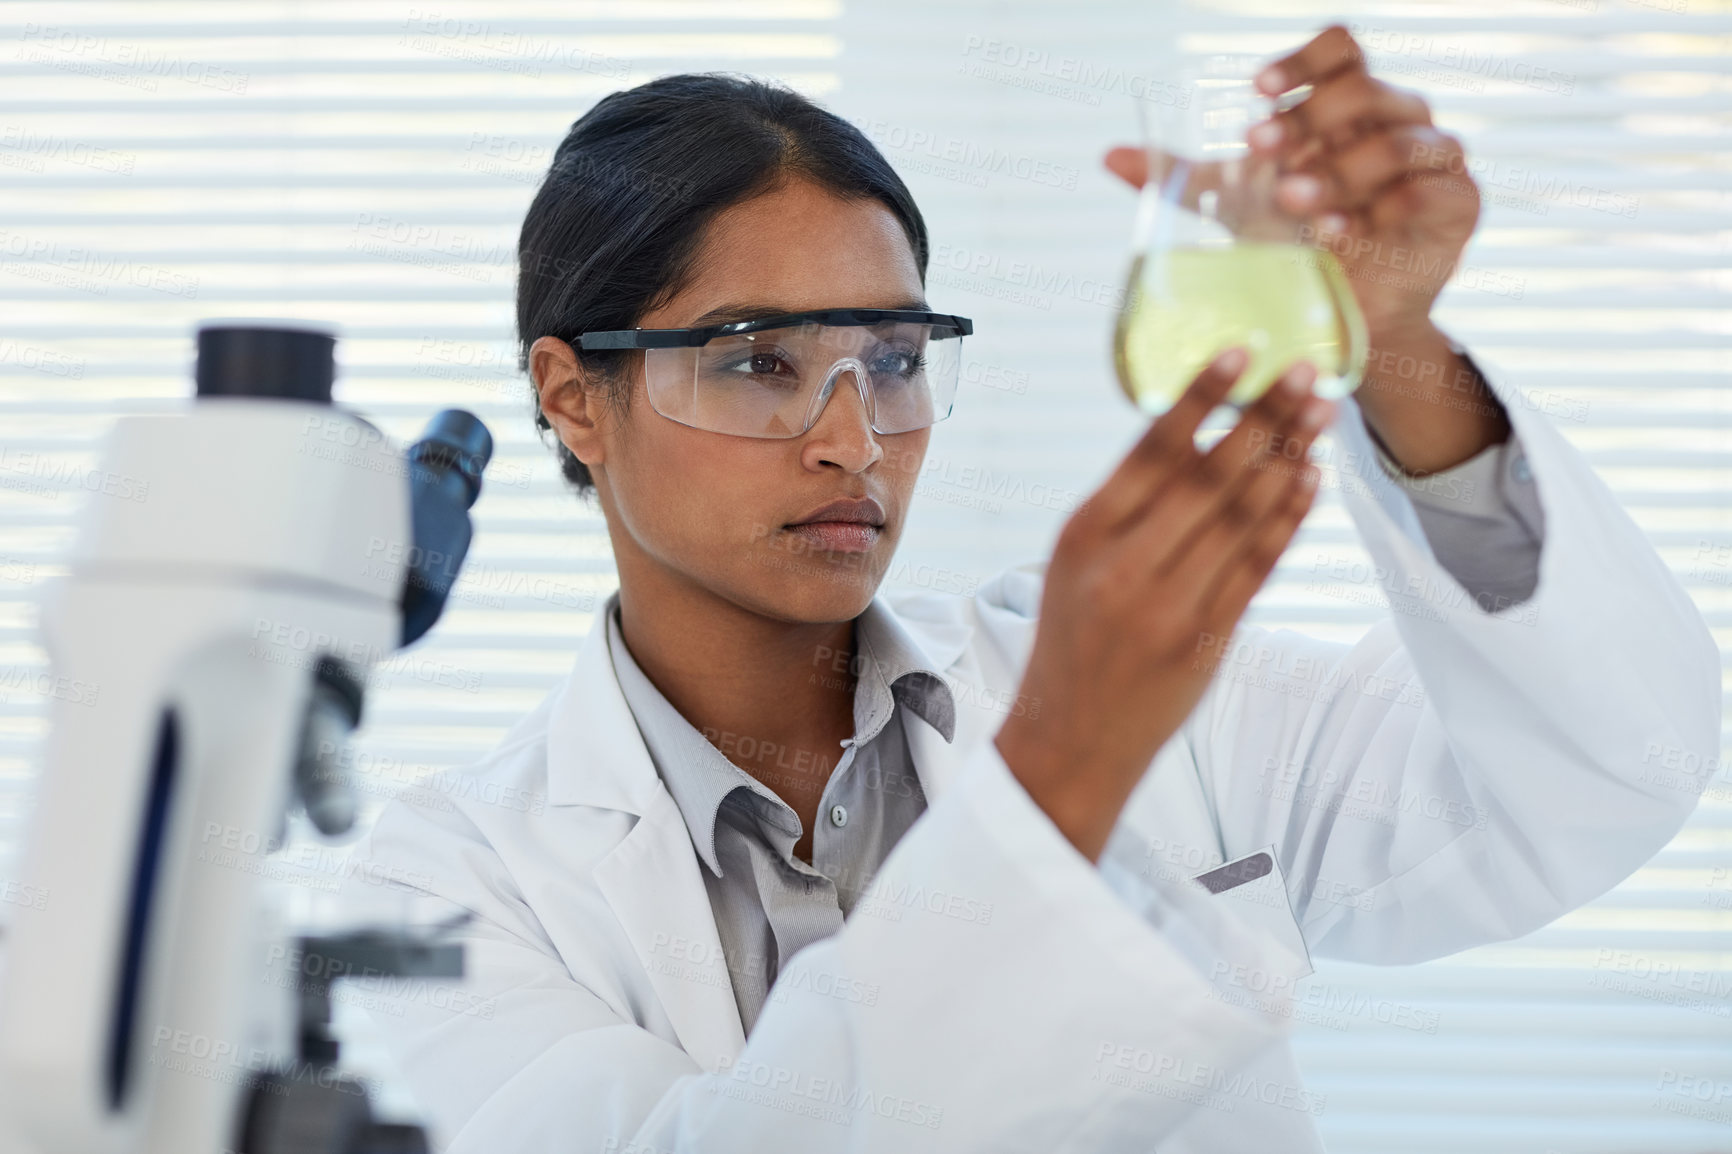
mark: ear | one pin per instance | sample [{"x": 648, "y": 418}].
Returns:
[{"x": 572, "y": 403}]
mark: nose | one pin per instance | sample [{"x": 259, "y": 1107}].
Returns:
[{"x": 842, "y": 434}]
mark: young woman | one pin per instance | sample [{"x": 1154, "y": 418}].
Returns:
[{"x": 812, "y": 868}]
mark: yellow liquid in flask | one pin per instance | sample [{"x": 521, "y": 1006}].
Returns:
[{"x": 1283, "y": 303}]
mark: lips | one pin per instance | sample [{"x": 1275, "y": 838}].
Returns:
[
  {"x": 855, "y": 510},
  {"x": 848, "y": 525}
]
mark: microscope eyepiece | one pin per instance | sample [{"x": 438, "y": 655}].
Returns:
[
  {"x": 258, "y": 359},
  {"x": 456, "y": 440},
  {"x": 444, "y": 480}
]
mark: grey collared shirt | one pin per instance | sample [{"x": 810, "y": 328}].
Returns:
[
  {"x": 1483, "y": 519},
  {"x": 767, "y": 903}
]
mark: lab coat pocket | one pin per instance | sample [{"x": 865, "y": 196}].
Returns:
[{"x": 1254, "y": 889}]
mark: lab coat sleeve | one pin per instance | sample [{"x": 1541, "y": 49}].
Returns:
[
  {"x": 1013, "y": 1009},
  {"x": 1466, "y": 772}
]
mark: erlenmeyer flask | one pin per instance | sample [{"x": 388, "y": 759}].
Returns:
[{"x": 1215, "y": 262}]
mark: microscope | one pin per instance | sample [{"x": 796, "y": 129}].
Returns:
[{"x": 223, "y": 618}]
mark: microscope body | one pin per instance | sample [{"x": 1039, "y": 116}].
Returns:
[{"x": 272, "y": 551}]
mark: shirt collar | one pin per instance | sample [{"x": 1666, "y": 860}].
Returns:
[
  {"x": 890, "y": 670},
  {"x": 891, "y": 667}
]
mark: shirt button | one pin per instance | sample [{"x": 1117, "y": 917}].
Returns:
[
  {"x": 838, "y": 815},
  {"x": 1521, "y": 470}
]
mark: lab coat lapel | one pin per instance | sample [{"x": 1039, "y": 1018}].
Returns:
[
  {"x": 651, "y": 880},
  {"x": 596, "y": 757}
]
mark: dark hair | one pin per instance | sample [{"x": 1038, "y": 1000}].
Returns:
[{"x": 613, "y": 231}]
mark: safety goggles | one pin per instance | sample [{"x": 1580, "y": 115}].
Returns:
[{"x": 772, "y": 377}]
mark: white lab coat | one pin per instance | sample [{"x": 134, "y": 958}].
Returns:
[{"x": 1473, "y": 777}]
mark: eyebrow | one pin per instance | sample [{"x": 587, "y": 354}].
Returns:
[{"x": 730, "y": 313}]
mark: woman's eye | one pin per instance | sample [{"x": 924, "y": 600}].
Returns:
[
  {"x": 758, "y": 364},
  {"x": 899, "y": 364},
  {"x": 759, "y": 369}
]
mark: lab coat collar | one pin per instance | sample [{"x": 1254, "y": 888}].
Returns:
[{"x": 595, "y": 754}]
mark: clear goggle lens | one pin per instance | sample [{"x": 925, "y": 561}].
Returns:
[{"x": 775, "y": 382}]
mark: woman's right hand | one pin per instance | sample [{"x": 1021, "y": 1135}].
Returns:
[{"x": 1158, "y": 564}]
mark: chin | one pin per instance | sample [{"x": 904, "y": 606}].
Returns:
[{"x": 814, "y": 586}]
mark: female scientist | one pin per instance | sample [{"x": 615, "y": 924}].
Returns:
[{"x": 809, "y": 868}]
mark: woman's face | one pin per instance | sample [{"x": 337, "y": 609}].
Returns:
[{"x": 716, "y": 510}]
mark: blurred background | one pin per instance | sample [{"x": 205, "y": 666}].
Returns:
[{"x": 368, "y": 163}]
